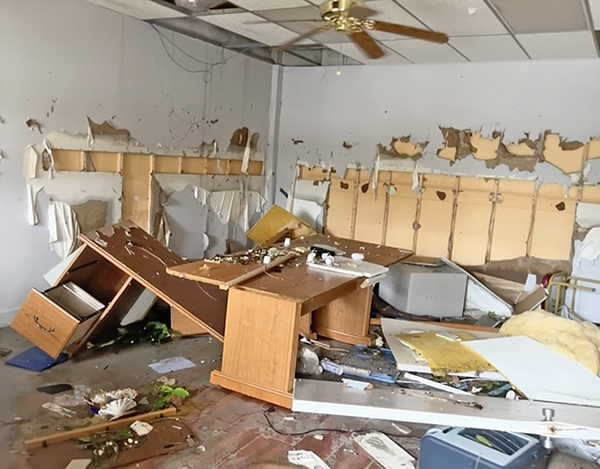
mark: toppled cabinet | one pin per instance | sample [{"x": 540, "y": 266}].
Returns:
[{"x": 111, "y": 269}]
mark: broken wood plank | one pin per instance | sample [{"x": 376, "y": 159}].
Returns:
[{"x": 44, "y": 441}]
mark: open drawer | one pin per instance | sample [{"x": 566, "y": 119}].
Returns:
[{"x": 57, "y": 317}]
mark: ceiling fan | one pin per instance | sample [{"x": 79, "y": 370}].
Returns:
[{"x": 351, "y": 17}]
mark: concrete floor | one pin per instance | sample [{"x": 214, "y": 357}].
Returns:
[{"x": 231, "y": 429}]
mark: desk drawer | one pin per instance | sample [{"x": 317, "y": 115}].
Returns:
[{"x": 50, "y": 327}]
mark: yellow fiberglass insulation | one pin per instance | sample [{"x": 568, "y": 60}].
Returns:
[{"x": 579, "y": 341}]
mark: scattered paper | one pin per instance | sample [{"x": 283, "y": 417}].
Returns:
[
  {"x": 306, "y": 459},
  {"x": 383, "y": 450},
  {"x": 141, "y": 428},
  {"x": 168, "y": 365},
  {"x": 58, "y": 409},
  {"x": 78, "y": 464}
]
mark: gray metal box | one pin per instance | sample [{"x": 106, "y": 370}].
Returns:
[{"x": 424, "y": 290}]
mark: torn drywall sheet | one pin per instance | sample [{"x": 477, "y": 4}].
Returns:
[
  {"x": 62, "y": 228},
  {"x": 105, "y": 129},
  {"x": 587, "y": 215},
  {"x": 407, "y": 360},
  {"x": 403, "y": 147},
  {"x": 32, "y": 216},
  {"x": 589, "y": 248},
  {"x": 307, "y": 201},
  {"x": 172, "y": 183},
  {"x": 237, "y": 205},
  {"x": 78, "y": 188}
]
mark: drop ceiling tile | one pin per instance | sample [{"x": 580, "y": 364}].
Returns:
[
  {"x": 571, "y": 45},
  {"x": 248, "y": 25},
  {"x": 482, "y": 48},
  {"x": 302, "y": 27},
  {"x": 423, "y": 52},
  {"x": 542, "y": 16},
  {"x": 456, "y": 17},
  {"x": 255, "y": 5},
  {"x": 141, "y": 9},
  {"x": 355, "y": 53},
  {"x": 389, "y": 11}
]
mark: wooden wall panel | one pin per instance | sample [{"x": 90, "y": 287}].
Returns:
[
  {"x": 402, "y": 210},
  {"x": 370, "y": 213},
  {"x": 512, "y": 219},
  {"x": 553, "y": 223},
  {"x": 435, "y": 218},
  {"x": 340, "y": 207},
  {"x": 105, "y": 162},
  {"x": 136, "y": 200},
  {"x": 471, "y": 228}
]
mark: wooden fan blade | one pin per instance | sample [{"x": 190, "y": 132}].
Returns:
[
  {"x": 410, "y": 32},
  {"x": 367, "y": 44},
  {"x": 361, "y": 12},
  {"x": 308, "y": 34}
]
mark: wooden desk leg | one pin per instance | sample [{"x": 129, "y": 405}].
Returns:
[
  {"x": 260, "y": 347},
  {"x": 347, "y": 318},
  {"x": 184, "y": 325}
]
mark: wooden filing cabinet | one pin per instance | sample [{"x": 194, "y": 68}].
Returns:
[{"x": 48, "y": 325}]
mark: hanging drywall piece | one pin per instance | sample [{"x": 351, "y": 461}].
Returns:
[
  {"x": 105, "y": 129},
  {"x": 237, "y": 206},
  {"x": 246, "y": 158},
  {"x": 63, "y": 228},
  {"x": 32, "y": 216}
]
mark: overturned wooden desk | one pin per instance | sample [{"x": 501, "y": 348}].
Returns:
[
  {"x": 114, "y": 265},
  {"x": 265, "y": 315}
]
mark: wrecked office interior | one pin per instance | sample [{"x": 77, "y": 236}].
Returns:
[{"x": 300, "y": 233}]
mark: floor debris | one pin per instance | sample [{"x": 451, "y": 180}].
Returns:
[
  {"x": 387, "y": 453},
  {"x": 306, "y": 459},
  {"x": 168, "y": 365}
]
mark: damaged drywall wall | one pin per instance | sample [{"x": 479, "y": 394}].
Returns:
[{"x": 402, "y": 147}]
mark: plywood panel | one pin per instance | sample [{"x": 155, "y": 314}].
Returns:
[
  {"x": 512, "y": 219},
  {"x": 193, "y": 165},
  {"x": 435, "y": 219},
  {"x": 340, "y": 208},
  {"x": 370, "y": 213},
  {"x": 166, "y": 164},
  {"x": 105, "y": 162},
  {"x": 590, "y": 194},
  {"x": 471, "y": 229},
  {"x": 553, "y": 223},
  {"x": 402, "y": 210},
  {"x": 137, "y": 178},
  {"x": 68, "y": 160}
]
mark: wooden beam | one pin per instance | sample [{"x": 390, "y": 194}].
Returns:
[{"x": 43, "y": 441}]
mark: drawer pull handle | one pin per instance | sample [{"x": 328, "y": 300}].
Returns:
[{"x": 36, "y": 320}]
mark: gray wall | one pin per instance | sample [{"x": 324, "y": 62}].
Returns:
[
  {"x": 85, "y": 60},
  {"x": 366, "y": 106}
]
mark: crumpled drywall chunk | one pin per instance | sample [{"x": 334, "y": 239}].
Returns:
[{"x": 63, "y": 228}]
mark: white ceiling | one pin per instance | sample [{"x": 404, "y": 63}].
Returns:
[{"x": 479, "y": 30}]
